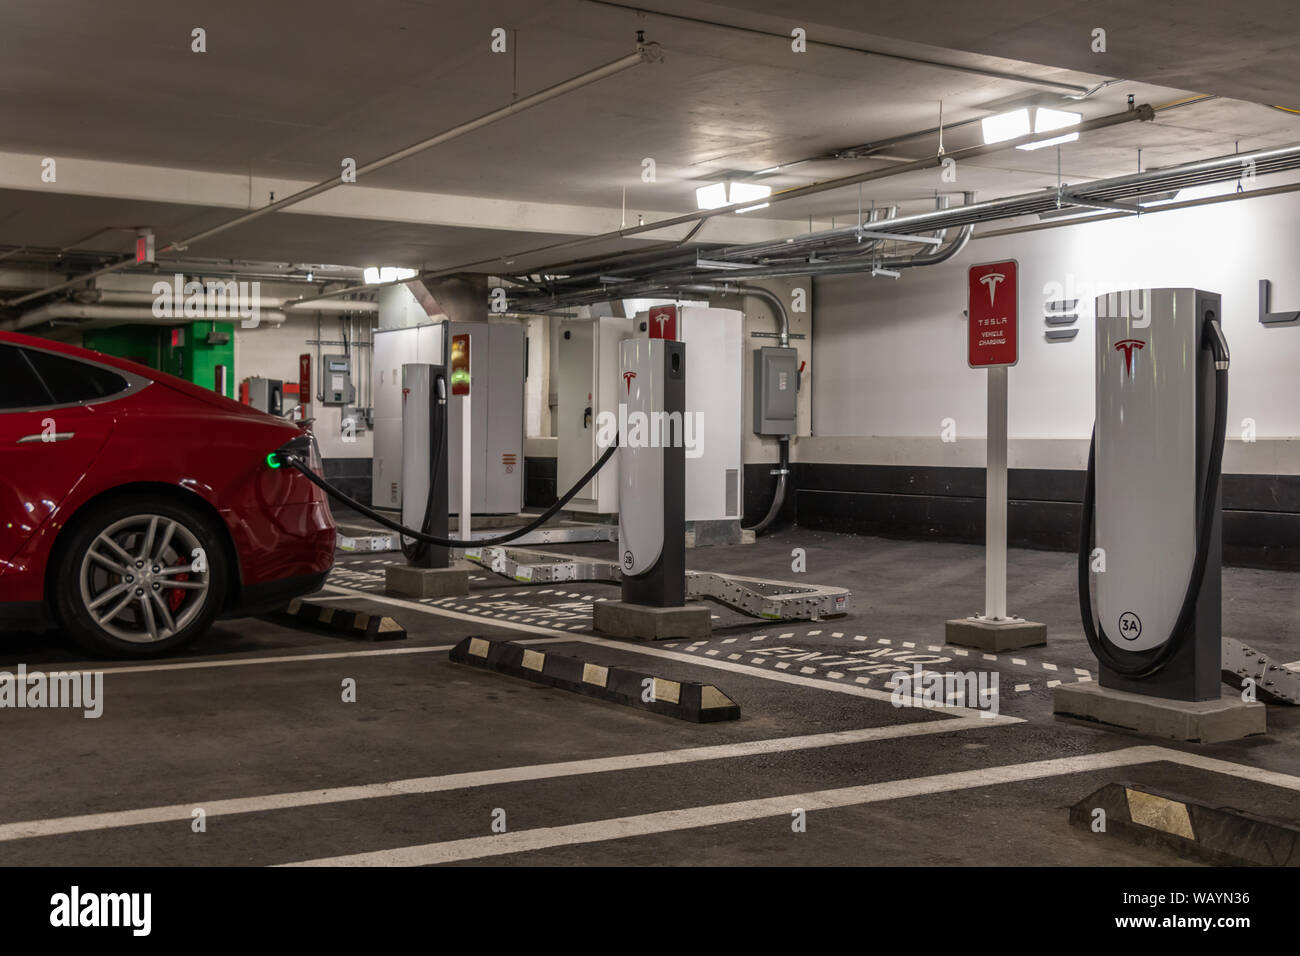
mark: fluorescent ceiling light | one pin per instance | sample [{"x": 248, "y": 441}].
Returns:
[
  {"x": 716, "y": 195},
  {"x": 1039, "y": 144},
  {"x": 1005, "y": 126},
  {"x": 712, "y": 196},
  {"x": 373, "y": 275},
  {"x": 747, "y": 192},
  {"x": 1046, "y": 120}
]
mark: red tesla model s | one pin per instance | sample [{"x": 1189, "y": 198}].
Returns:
[{"x": 136, "y": 507}]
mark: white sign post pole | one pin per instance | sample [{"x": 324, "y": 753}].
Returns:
[{"x": 995, "y": 499}]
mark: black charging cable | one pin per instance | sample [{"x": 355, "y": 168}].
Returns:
[
  {"x": 1143, "y": 664},
  {"x": 422, "y": 536}
]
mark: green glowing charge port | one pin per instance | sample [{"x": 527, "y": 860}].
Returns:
[{"x": 273, "y": 459}]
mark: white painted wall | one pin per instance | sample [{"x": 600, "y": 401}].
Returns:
[
  {"x": 890, "y": 355},
  {"x": 273, "y": 352}
]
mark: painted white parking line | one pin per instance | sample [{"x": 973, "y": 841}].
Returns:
[
  {"x": 280, "y": 659},
  {"x": 478, "y": 778},
  {"x": 669, "y": 821},
  {"x": 244, "y": 661}
]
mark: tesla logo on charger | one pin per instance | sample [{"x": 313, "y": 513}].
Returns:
[
  {"x": 991, "y": 280},
  {"x": 1127, "y": 346},
  {"x": 627, "y": 377}
]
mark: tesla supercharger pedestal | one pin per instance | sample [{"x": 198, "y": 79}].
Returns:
[
  {"x": 652, "y": 498},
  {"x": 424, "y": 478},
  {"x": 1153, "y": 552}
]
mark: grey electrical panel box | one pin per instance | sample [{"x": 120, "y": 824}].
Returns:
[
  {"x": 336, "y": 380},
  {"x": 776, "y": 390},
  {"x": 266, "y": 395}
]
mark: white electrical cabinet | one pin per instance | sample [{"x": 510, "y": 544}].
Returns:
[
  {"x": 587, "y": 384},
  {"x": 715, "y": 386},
  {"x": 496, "y": 405}
]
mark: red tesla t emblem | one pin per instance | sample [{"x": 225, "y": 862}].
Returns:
[
  {"x": 1127, "y": 346},
  {"x": 627, "y": 377}
]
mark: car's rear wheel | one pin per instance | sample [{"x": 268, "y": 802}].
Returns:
[{"x": 140, "y": 577}]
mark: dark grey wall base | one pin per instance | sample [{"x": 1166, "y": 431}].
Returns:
[
  {"x": 1261, "y": 520},
  {"x": 352, "y": 476}
]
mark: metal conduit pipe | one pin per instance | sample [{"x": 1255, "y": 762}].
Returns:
[
  {"x": 117, "y": 313},
  {"x": 1130, "y": 186},
  {"x": 279, "y": 303},
  {"x": 657, "y": 266},
  {"x": 688, "y": 281}
]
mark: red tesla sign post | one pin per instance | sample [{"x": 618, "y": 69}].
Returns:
[
  {"x": 304, "y": 385},
  {"x": 992, "y": 343}
]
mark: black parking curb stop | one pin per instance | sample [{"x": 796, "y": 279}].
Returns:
[
  {"x": 684, "y": 700},
  {"x": 345, "y": 623},
  {"x": 1220, "y": 835}
]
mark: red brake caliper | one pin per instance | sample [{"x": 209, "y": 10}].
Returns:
[{"x": 176, "y": 595}]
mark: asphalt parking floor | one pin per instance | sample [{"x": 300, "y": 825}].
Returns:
[{"x": 439, "y": 763}]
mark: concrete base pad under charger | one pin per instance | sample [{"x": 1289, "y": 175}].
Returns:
[
  {"x": 1206, "y": 721},
  {"x": 640, "y": 622},
  {"x": 414, "y": 582},
  {"x": 991, "y": 638}
]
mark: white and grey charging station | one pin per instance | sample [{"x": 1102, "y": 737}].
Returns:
[
  {"x": 1151, "y": 531},
  {"x": 652, "y": 498}
]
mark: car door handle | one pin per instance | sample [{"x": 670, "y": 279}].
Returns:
[{"x": 46, "y": 437}]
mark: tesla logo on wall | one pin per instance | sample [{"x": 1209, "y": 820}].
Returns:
[
  {"x": 1127, "y": 346},
  {"x": 627, "y": 377}
]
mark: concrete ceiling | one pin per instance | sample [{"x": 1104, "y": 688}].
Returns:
[{"x": 148, "y": 133}]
